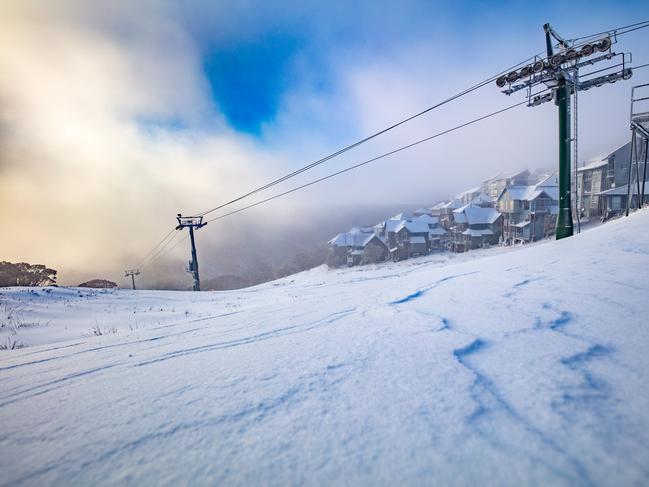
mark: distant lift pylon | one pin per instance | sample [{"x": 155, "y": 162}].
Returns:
[
  {"x": 132, "y": 273},
  {"x": 192, "y": 222}
]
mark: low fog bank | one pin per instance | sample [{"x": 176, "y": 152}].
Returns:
[{"x": 243, "y": 251}]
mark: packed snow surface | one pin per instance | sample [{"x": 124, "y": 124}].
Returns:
[{"x": 517, "y": 367}]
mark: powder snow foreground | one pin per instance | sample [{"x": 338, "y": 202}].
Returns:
[{"x": 523, "y": 367}]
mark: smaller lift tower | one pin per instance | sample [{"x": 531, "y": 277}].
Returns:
[
  {"x": 192, "y": 222},
  {"x": 132, "y": 273}
]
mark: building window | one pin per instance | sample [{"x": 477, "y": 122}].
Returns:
[{"x": 588, "y": 181}]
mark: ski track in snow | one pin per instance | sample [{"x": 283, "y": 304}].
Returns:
[
  {"x": 251, "y": 339},
  {"x": 493, "y": 368},
  {"x": 423, "y": 291}
]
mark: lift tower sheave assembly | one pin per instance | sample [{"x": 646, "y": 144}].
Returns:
[
  {"x": 559, "y": 72},
  {"x": 192, "y": 222}
]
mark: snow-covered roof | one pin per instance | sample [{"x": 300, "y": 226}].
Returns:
[
  {"x": 495, "y": 177},
  {"x": 536, "y": 193},
  {"x": 388, "y": 225},
  {"x": 459, "y": 216},
  {"x": 617, "y": 191},
  {"x": 511, "y": 175},
  {"x": 530, "y": 193},
  {"x": 421, "y": 211},
  {"x": 477, "y": 233},
  {"x": 482, "y": 199},
  {"x": 436, "y": 232},
  {"x": 431, "y": 220},
  {"x": 369, "y": 238},
  {"x": 453, "y": 204},
  {"x": 522, "y": 224},
  {"x": 523, "y": 173},
  {"x": 404, "y": 215},
  {"x": 520, "y": 193},
  {"x": 438, "y": 206},
  {"x": 391, "y": 225},
  {"x": 552, "y": 192},
  {"x": 551, "y": 181},
  {"x": 467, "y": 192},
  {"x": 339, "y": 240},
  {"x": 592, "y": 165},
  {"x": 417, "y": 239},
  {"x": 621, "y": 190},
  {"x": 623, "y": 146},
  {"x": 342, "y": 240},
  {"x": 413, "y": 226},
  {"x": 475, "y": 215},
  {"x": 353, "y": 238},
  {"x": 539, "y": 175}
]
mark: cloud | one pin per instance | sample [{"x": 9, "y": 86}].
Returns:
[
  {"x": 90, "y": 168},
  {"x": 109, "y": 123}
]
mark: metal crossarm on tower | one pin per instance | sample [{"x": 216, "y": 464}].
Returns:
[
  {"x": 560, "y": 73},
  {"x": 192, "y": 222}
]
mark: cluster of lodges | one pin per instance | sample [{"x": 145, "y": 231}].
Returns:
[
  {"x": 503, "y": 210},
  {"x": 602, "y": 184}
]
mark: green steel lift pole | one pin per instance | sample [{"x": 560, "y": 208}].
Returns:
[{"x": 564, "y": 218}]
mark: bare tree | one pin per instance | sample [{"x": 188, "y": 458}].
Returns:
[{"x": 24, "y": 274}]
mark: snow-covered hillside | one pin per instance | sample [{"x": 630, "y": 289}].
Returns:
[{"x": 503, "y": 368}]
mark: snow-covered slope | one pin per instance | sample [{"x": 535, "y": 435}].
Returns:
[{"x": 520, "y": 367}]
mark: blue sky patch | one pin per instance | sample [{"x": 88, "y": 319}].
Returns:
[{"x": 248, "y": 79}]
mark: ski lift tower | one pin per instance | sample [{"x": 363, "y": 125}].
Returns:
[
  {"x": 639, "y": 144},
  {"x": 192, "y": 222},
  {"x": 559, "y": 72},
  {"x": 132, "y": 273}
]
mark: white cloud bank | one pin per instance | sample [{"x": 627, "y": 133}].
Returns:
[{"x": 108, "y": 127}]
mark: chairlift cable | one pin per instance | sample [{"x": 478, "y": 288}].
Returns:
[
  {"x": 368, "y": 138},
  {"x": 360, "y": 164}
]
